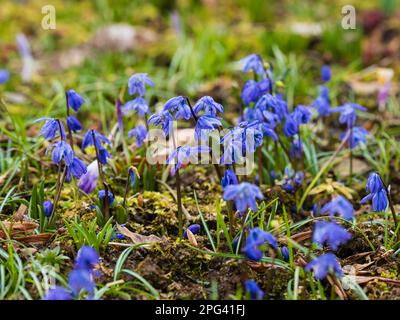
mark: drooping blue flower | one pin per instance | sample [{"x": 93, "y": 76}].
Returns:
[
  {"x": 301, "y": 114},
  {"x": 94, "y": 138},
  {"x": 250, "y": 92},
  {"x": 74, "y": 100},
  {"x": 4, "y": 76},
  {"x": 204, "y": 125},
  {"x": 255, "y": 63},
  {"x": 140, "y": 134},
  {"x": 102, "y": 196},
  {"x": 132, "y": 174},
  {"x": 244, "y": 195},
  {"x": 254, "y": 290},
  {"x": 184, "y": 155},
  {"x": 137, "y": 84},
  {"x": 164, "y": 118},
  {"x": 357, "y": 136},
  {"x": 51, "y": 127},
  {"x": 256, "y": 239},
  {"x": 339, "y": 206},
  {"x": 229, "y": 178},
  {"x": 379, "y": 200},
  {"x": 374, "y": 183},
  {"x": 285, "y": 253},
  {"x": 297, "y": 149},
  {"x": 298, "y": 178},
  {"x": 138, "y": 105},
  {"x": 348, "y": 113},
  {"x": 81, "y": 279},
  {"x": 88, "y": 181},
  {"x": 209, "y": 106},
  {"x": 47, "y": 208},
  {"x": 58, "y": 293},
  {"x": 325, "y": 73},
  {"x": 330, "y": 233},
  {"x": 62, "y": 151},
  {"x": 117, "y": 234},
  {"x": 77, "y": 168},
  {"x": 74, "y": 124},
  {"x": 291, "y": 127},
  {"x": 322, "y": 102},
  {"x": 87, "y": 258},
  {"x": 321, "y": 266},
  {"x": 179, "y": 105},
  {"x": 194, "y": 228}
]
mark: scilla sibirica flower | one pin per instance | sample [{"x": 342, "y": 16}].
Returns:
[
  {"x": 322, "y": 103},
  {"x": 96, "y": 141},
  {"x": 229, "y": 178},
  {"x": 137, "y": 84},
  {"x": 140, "y": 134},
  {"x": 348, "y": 113},
  {"x": 358, "y": 135},
  {"x": 47, "y": 208},
  {"x": 250, "y": 92},
  {"x": 88, "y": 181},
  {"x": 179, "y": 105},
  {"x": 73, "y": 124},
  {"x": 77, "y": 168},
  {"x": 102, "y": 195},
  {"x": 209, "y": 106},
  {"x": 62, "y": 151},
  {"x": 326, "y": 73},
  {"x": 330, "y": 233},
  {"x": 255, "y": 63},
  {"x": 87, "y": 258},
  {"x": 321, "y": 266},
  {"x": 377, "y": 192},
  {"x": 51, "y": 127},
  {"x": 204, "y": 125},
  {"x": 285, "y": 253},
  {"x": 164, "y": 118},
  {"x": 185, "y": 154},
  {"x": 138, "y": 105},
  {"x": 244, "y": 195},
  {"x": 339, "y": 206},
  {"x": 4, "y": 76},
  {"x": 255, "y": 242},
  {"x": 194, "y": 228},
  {"x": 74, "y": 100},
  {"x": 254, "y": 290}
]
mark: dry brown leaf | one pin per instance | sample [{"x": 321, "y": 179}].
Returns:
[
  {"x": 21, "y": 213},
  {"x": 136, "y": 237},
  {"x": 191, "y": 237}
]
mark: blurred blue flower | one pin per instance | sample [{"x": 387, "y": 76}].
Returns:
[
  {"x": 348, "y": 113},
  {"x": 325, "y": 73},
  {"x": 254, "y": 290},
  {"x": 229, "y": 178},
  {"x": 4, "y": 76},
  {"x": 137, "y": 83},
  {"x": 321, "y": 266},
  {"x": 285, "y": 253},
  {"x": 255, "y": 63},
  {"x": 58, "y": 293},
  {"x": 291, "y": 127},
  {"x": 51, "y": 127},
  {"x": 255, "y": 242},
  {"x": 301, "y": 114},
  {"x": 164, "y": 118},
  {"x": 61, "y": 151},
  {"x": 102, "y": 196},
  {"x": 250, "y": 92},
  {"x": 87, "y": 258},
  {"x": 330, "y": 233},
  {"x": 297, "y": 148},
  {"x": 322, "y": 102},
  {"x": 77, "y": 168},
  {"x": 88, "y": 181},
  {"x": 133, "y": 176},
  {"x": 140, "y": 134},
  {"x": 179, "y": 105},
  {"x": 358, "y": 135},
  {"x": 138, "y": 105},
  {"x": 81, "y": 279},
  {"x": 194, "y": 228},
  {"x": 204, "y": 125},
  {"x": 185, "y": 154},
  {"x": 47, "y": 208},
  {"x": 209, "y": 106},
  {"x": 74, "y": 100},
  {"x": 73, "y": 124},
  {"x": 244, "y": 195},
  {"x": 298, "y": 178},
  {"x": 340, "y": 206}
]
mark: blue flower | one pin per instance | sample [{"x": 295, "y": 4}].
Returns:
[
  {"x": 254, "y": 290},
  {"x": 51, "y": 127},
  {"x": 255, "y": 63},
  {"x": 297, "y": 148},
  {"x": 379, "y": 200},
  {"x": 250, "y": 92},
  {"x": 374, "y": 183},
  {"x": 229, "y": 178},
  {"x": 185, "y": 154},
  {"x": 321, "y": 266},
  {"x": 348, "y": 113},
  {"x": 272, "y": 103},
  {"x": 330, "y": 233},
  {"x": 164, "y": 118},
  {"x": 138, "y": 105},
  {"x": 117, "y": 234},
  {"x": 244, "y": 195},
  {"x": 102, "y": 196},
  {"x": 340, "y": 206},
  {"x": 325, "y": 73},
  {"x": 179, "y": 105},
  {"x": 358, "y": 135},
  {"x": 96, "y": 141},
  {"x": 291, "y": 127},
  {"x": 140, "y": 134},
  {"x": 74, "y": 100},
  {"x": 209, "y": 106},
  {"x": 88, "y": 181},
  {"x": 255, "y": 241},
  {"x": 58, "y": 293},
  {"x": 47, "y": 208},
  {"x": 301, "y": 114},
  {"x": 74, "y": 124},
  {"x": 137, "y": 84},
  {"x": 298, "y": 178},
  {"x": 77, "y": 168},
  {"x": 80, "y": 279},
  {"x": 322, "y": 102},
  {"x": 4, "y": 75},
  {"x": 204, "y": 125},
  {"x": 62, "y": 150},
  {"x": 87, "y": 258},
  {"x": 285, "y": 253},
  {"x": 133, "y": 176},
  {"x": 194, "y": 228}
]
